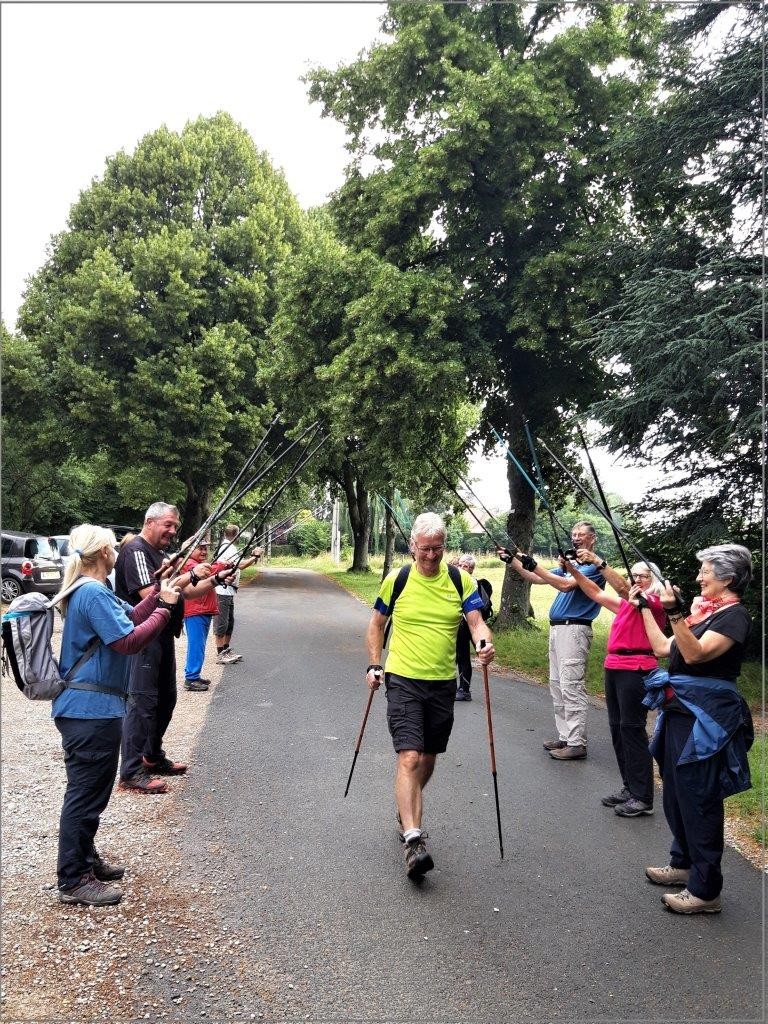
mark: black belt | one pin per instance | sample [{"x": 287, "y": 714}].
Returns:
[
  {"x": 632, "y": 650},
  {"x": 570, "y": 622}
]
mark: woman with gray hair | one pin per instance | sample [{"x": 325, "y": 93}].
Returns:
[
  {"x": 704, "y": 727},
  {"x": 628, "y": 661}
]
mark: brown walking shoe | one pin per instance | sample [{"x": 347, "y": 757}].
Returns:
[
  {"x": 567, "y": 753},
  {"x": 554, "y": 744},
  {"x": 90, "y": 891},
  {"x": 417, "y": 859},
  {"x": 164, "y": 766},
  {"x": 141, "y": 783},
  {"x": 104, "y": 871}
]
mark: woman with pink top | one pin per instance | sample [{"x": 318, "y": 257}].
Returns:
[{"x": 629, "y": 658}]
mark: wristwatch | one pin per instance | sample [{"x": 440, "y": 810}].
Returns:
[{"x": 603, "y": 564}]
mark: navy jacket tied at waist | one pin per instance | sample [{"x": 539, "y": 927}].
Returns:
[{"x": 722, "y": 725}]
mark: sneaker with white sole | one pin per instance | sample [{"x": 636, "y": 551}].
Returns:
[
  {"x": 686, "y": 903},
  {"x": 668, "y": 875}
]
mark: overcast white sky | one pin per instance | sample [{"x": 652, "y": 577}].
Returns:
[{"x": 82, "y": 81}]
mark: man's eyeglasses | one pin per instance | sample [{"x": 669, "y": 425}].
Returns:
[{"x": 435, "y": 549}]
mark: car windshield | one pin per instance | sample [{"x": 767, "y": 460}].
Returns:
[{"x": 39, "y": 547}]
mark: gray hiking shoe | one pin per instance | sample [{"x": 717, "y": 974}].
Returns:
[
  {"x": 686, "y": 903},
  {"x": 418, "y": 861},
  {"x": 90, "y": 891},
  {"x": 633, "y": 808},
  {"x": 668, "y": 875},
  {"x": 614, "y": 799}
]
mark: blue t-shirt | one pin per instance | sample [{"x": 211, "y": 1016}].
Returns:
[
  {"x": 94, "y": 611},
  {"x": 574, "y": 604}
]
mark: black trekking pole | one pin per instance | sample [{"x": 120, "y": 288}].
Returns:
[
  {"x": 482, "y": 526},
  {"x": 360, "y": 734},
  {"x": 489, "y": 720},
  {"x": 538, "y": 491},
  {"x": 602, "y": 512},
  {"x": 607, "y": 507},
  {"x": 395, "y": 520},
  {"x": 543, "y": 486}
]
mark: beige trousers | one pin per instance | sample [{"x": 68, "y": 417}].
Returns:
[{"x": 568, "y": 652}]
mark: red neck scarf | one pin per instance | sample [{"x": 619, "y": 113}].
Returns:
[{"x": 702, "y": 608}]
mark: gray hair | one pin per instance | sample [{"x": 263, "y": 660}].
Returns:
[
  {"x": 160, "y": 509},
  {"x": 655, "y": 571},
  {"x": 729, "y": 562},
  {"x": 428, "y": 524},
  {"x": 587, "y": 525},
  {"x": 469, "y": 561}
]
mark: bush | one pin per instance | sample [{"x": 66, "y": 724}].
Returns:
[{"x": 313, "y": 537}]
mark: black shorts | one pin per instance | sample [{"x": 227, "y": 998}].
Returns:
[{"x": 420, "y": 712}]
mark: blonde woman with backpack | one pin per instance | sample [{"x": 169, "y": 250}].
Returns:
[{"x": 89, "y": 711}]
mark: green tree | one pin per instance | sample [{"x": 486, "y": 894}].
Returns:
[
  {"x": 154, "y": 303},
  {"x": 481, "y": 136},
  {"x": 684, "y": 336},
  {"x": 368, "y": 349}
]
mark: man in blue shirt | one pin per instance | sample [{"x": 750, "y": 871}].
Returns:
[{"x": 570, "y": 637}]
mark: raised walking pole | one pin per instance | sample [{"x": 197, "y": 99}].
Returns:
[
  {"x": 360, "y": 734},
  {"x": 492, "y": 749}
]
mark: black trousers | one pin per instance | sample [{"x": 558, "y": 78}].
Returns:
[
  {"x": 91, "y": 752},
  {"x": 464, "y": 655},
  {"x": 624, "y": 692},
  {"x": 693, "y": 809},
  {"x": 151, "y": 700}
]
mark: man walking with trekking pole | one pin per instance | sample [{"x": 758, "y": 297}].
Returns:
[{"x": 426, "y": 601}]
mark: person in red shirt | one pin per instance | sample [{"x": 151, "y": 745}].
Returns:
[
  {"x": 199, "y": 611},
  {"x": 629, "y": 659}
]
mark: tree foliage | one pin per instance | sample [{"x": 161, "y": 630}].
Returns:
[
  {"x": 369, "y": 350},
  {"x": 481, "y": 136},
  {"x": 154, "y": 303},
  {"x": 684, "y": 337}
]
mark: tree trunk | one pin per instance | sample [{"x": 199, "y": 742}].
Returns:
[
  {"x": 389, "y": 534},
  {"x": 195, "y": 510},
  {"x": 515, "y": 592},
  {"x": 359, "y": 518}
]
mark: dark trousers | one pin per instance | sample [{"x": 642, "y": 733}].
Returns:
[
  {"x": 91, "y": 752},
  {"x": 464, "y": 655},
  {"x": 624, "y": 692},
  {"x": 693, "y": 809},
  {"x": 151, "y": 700}
]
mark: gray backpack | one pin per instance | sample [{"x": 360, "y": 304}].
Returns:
[{"x": 27, "y": 628}]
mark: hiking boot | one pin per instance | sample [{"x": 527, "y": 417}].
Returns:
[
  {"x": 197, "y": 685},
  {"x": 417, "y": 860},
  {"x": 566, "y": 753},
  {"x": 92, "y": 892},
  {"x": 554, "y": 745},
  {"x": 616, "y": 798},
  {"x": 141, "y": 783},
  {"x": 668, "y": 875},
  {"x": 686, "y": 903},
  {"x": 104, "y": 871},
  {"x": 632, "y": 808},
  {"x": 463, "y": 694},
  {"x": 164, "y": 766}
]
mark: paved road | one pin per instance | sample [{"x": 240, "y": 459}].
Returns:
[{"x": 564, "y": 929}]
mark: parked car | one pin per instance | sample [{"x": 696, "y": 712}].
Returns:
[{"x": 29, "y": 563}]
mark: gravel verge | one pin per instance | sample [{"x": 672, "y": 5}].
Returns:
[{"x": 143, "y": 959}]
